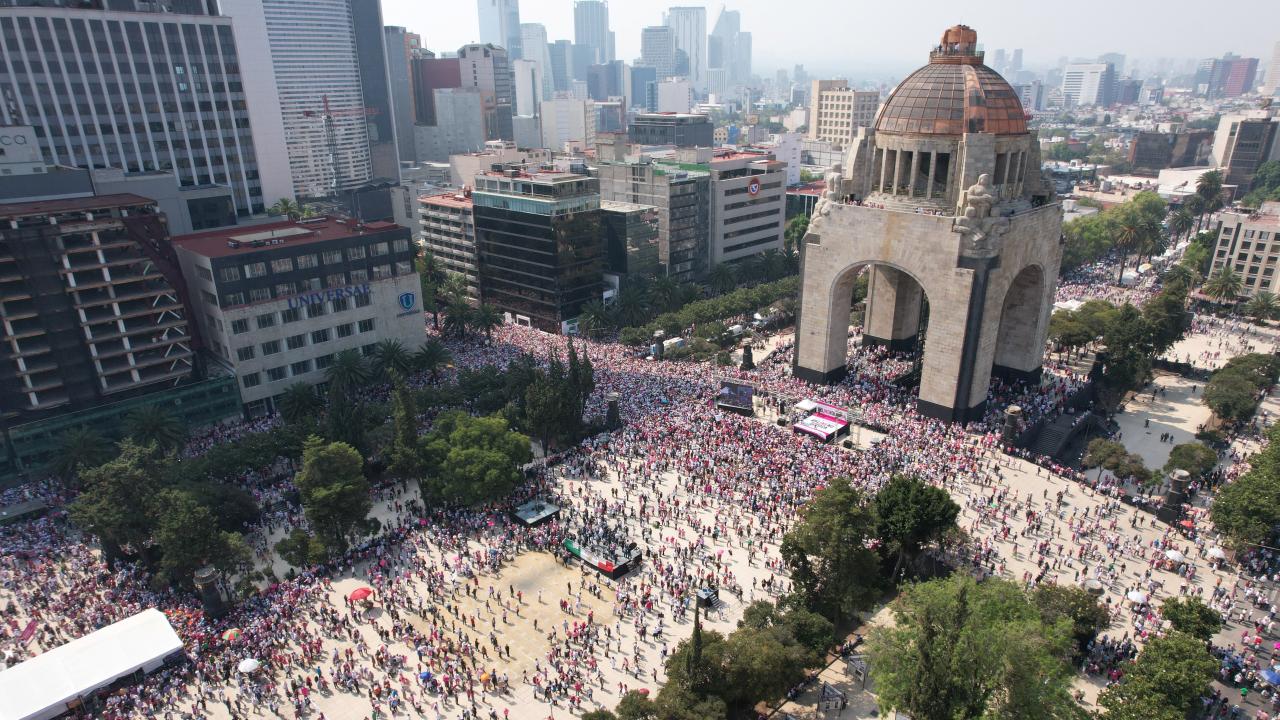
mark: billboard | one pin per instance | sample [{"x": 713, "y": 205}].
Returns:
[{"x": 735, "y": 395}]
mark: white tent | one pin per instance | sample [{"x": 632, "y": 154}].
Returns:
[
  {"x": 43, "y": 686},
  {"x": 806, "y": 405}
]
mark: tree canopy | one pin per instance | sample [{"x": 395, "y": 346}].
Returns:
[
  {"x": 335, "y": 493},
  {"x": 1166, "y": 680},
  {"x": 910, "y": 513},
  {"x": 473, "y": 460}
]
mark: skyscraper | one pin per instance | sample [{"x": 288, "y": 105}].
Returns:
[
  {"x": 733, "y": 47},
  {"x": 561, "y": 71},
  {"x": 591, "y": 28},
  {"x": 133, "y": 101},
  {"x": 375, "y": 85},
  {"x": 486, "y": 68},
  {"x": 533, "y": 42},
  {"x": 500, "y": 25},
  {"x": 1273, "y": 73},
  {"x": 400, "y": 45},
  {"x": 1088, "y": 84},
  {"x": 690, "y": 27},
  {"x": 317, "y": 74},
  {"x": 658, "y": 49}
]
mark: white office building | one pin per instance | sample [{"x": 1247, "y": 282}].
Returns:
[
  {"x": 690, "y": 27},
  {"x": 1085, "y": 84},
  {"x": 675, "y": 96},
  {"x": 658, "y": 49},
  {"x": 130, "y": 88},
  {"x": 317, "y": 78},
  {"x": 534, "y": 47},
  {"x": 568, "y": 120}
]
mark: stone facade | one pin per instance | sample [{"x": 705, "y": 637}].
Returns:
[{"x": 962, "y": 220}]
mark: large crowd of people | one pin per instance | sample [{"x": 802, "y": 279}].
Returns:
[{"x": 706, "y": 494}]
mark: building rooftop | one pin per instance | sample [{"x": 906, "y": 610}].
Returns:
[
  {"x": 453, "y": 200},
  {"x": 618, "y": 206},
  {"x": 85, "y": 204},
  {"x": 247, "y": 240},
  {"x": 815, "y": 187}
]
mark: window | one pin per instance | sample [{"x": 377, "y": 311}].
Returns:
[
  {"x": 208, "y": 297},
  {"x": 296, "y": 342},
  {"x": 306, "y": 262},
  {"x": 229, "y": 274},
  {"x": 359, "y": 276},
  {"x": 364, "y": 300},
  {"x": 251, "y": 380},
  {"x": 324, "y": 361},
  {"x": 401, "y": 245},
  {"x": 345, "y": 330},
  {"x": 356, "y": 253},
  {"x": 259, "y": 294},
  {"x": 302, "y": 367},
  {"x": 239, "y": 326},
  {"x": 291, "y": 315},
  {"x": 233, "y": 299},
  {"x": 270, "y": 347},
  {"x": 286, "y": 289},
  {"x": 335, "y": 280},
  {"x": 282, "y": 265},
  {"x": 404, "y": 267},
  {"x": 276, "y": 374},
  {"x": 381, "y": 272},
  {"x": 316, "y": 310},
  {"x": 340, "y": 304},
  {"x": 332, "y": 257},
  {"x": 204, "y": 272},
  {"x": 311, "y": 284},
  {"x": 266, "y": 320},
  {"x": 366, "y": 325},
  {"x": 379, "y": 249},
  {"x": 255, "y": 270},
  {"x": 246, "y": 353},
  {"x": 319, "y": 336}
]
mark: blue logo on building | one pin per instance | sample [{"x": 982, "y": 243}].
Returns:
[{"x": 407, "y": 300}]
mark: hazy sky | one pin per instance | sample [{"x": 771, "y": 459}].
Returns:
[{"x": 890, "y": 37}]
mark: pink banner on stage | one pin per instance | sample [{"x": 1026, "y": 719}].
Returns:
[{"x": 28, "y": 632}]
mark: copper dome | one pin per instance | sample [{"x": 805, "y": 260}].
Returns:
[{"x": 954, "y": 94}]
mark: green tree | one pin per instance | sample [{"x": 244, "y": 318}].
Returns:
[
  {"x": 405, "y": 457},
  {"x": 187, "y": 538},
  {"x": 722, "y": 278},
  {"x": 1262, "y": 306},
  {"x": 1180, "y": 223},
  {"x": 1166, "y": 680},
  {"x": 910, "y": 513},
  {"x": 117, "y": 500},
  {"x": 458, "y": 316},
  {"x": 664, "y": 294},
  {"x": 961, "y": 650},
  {"x": 485, "y": 319},
  {"x": 79, "y": 449},
  {"x": 300, "y": 549},
  {"x": 631, "y": 306},
  {"x": 1194, "y": 457},
  {"x": 348, "y": 373},
  {"x": 1231, "y": 396},
  {"x": 154, "y": 425},
  {"x": 335, "y": 493},
  {"x": 473, "y": 460},
  {"x": 286, "y": 207},
  {"x": 1085, "y": 612},
  {"x": 299, "y": 403},
  {"x": 431, "y": 357},
  {"x": 833, "y": 571},
  {"x": 594, "y": 317},
  {"x": 1247, "y": 510},
  {"x": 794, "y": 233},
  {"x": 390, "y": 357},
  {"x": 1223, "y": 285},
  {"x": 1190, "y": 615}
]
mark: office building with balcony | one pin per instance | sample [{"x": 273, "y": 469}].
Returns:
[
  {"x": 1249, "y": 244},
  {"x": 277, "y": 302},
  {"x": 836, "y": 111},
  {"x": 541, "y": 253},
  {"x": 449, "y": 234},
  {"x": 680, "y": 193},
  {"x": 678, "y": 129},
  {"x": 748, "y": 205}
]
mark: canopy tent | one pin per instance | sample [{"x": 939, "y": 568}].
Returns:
[{"x": 43, "y": 686}]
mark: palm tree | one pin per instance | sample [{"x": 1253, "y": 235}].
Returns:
[
  {"x": 662, "y": 293},
  {"x": 631, "y": 307},
  {"x": 774, "y": 264},
  {"x": 751, "y": 269},
  {"x": 298, "y": 402},
  {"x": 1128, "y": 235},
  {"x": 458, "y": 317},
  {"x": 592, "y": 317},
  {"x": 1209, "y": 189},
  {"x": 432, "y": 356},
  {"x": 1180, "y": 223},
  {"x": 348, "y": 372},
  {"x": 391, "y": 356},
  {"x": 1152, "y": 240},
  {"x": 285, "y": 206},
  {"x": 486, "y": 318},
  {"x": 1223, "y": 285},
  {"x": 1181, "y": 274},
  {"x": 78, "y": 449},
  {"x": 1262, "y": 306},
  {"x": 153, "y": 424},
  {"x": 723, "y": 278}
]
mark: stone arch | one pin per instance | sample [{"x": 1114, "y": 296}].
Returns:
[{"x": 1024, "y": 316}]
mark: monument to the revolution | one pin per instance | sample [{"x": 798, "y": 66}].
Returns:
[{"x": 944, "y": 201}]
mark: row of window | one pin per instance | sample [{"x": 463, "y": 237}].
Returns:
[
  {"x": 258, "y": 269},
  {"x": 296, "y": 369},
  {"x": 299, "y": 341},
  {"x": 293, "y": 315},
  {"x": 314, "y": 284}
]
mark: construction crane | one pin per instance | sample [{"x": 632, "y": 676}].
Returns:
[{"x": 331, "y": 132}]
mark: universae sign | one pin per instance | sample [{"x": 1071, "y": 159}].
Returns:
[{"x": 316, "y": 298}]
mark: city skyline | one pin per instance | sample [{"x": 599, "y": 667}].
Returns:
[{"x": 857, "y": 44}]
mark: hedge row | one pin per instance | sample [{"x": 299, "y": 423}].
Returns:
[{"x": 739, "y": 302}]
